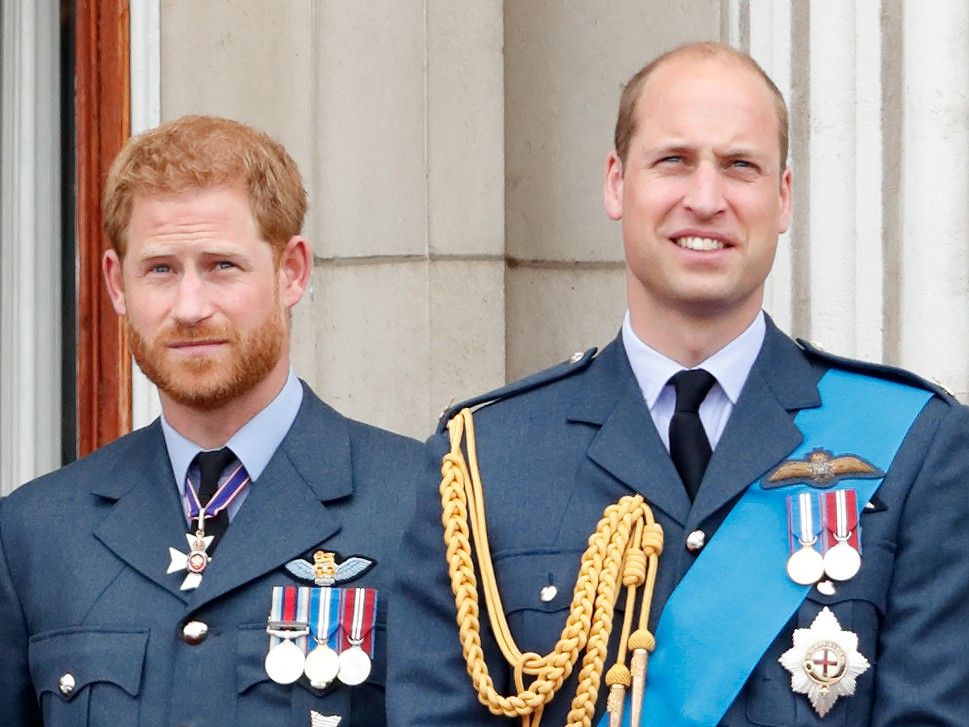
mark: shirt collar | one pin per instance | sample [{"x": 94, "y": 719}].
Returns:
[
  {"x": 254, "y": 444},
  {"x": 730, "y": 365}
]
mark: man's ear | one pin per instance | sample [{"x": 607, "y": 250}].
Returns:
[
  {"x": 612, "y": 187},
  {"x": 295, "y": 266},
  {"x": 114, "y": 280},
  {"x": 786, "y": 199}
]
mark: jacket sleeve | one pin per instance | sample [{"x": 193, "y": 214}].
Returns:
[
  {"x": 18, "y": 702},
  {"x": 923, "y": 660},
  {"x": 428, "y": 683}
]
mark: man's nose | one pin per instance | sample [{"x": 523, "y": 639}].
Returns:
[
  {"x": 193, "y": 301},
  {"x": 704, "y": 193}
]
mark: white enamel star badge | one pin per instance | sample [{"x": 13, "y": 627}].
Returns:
[
  {"x": 824, "y": 662},
  {"x": 322, "y": 720}
]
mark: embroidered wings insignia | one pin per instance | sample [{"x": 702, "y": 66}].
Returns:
[
  {"x": 820, "y": 468},
  {"x": 325, "y": 571},
  {"x": 322, "y": 720}
]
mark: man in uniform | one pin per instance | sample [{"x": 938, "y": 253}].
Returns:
[
  {"x": 812, "y": 571},
  {"x": 188, "y": 573}
]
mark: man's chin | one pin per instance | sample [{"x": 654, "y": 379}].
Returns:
[{"x": 200, "y": 398}]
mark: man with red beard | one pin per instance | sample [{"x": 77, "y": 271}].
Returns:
[{"x": 227, "y": 564}]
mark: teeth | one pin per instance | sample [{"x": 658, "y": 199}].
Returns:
[{"x": 699, "y": 243}]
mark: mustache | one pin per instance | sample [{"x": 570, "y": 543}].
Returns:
[{"x": 181, "y": 333}]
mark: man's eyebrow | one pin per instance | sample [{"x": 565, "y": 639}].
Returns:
[
  {"x": 674, "y": 148},
  {"x": 739, "y": 152}
]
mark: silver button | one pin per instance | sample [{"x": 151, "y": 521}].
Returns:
[
  {"x": 576, "y": 357},
  {"x": 66, "y": 684},
  {"x": 695, "y": 540},
  {"x": 194, "y": 632},
  {"x": 826, "y": 588},
  {"x": 548, "y": 593}
]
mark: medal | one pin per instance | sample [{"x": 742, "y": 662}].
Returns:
[
  {"x": 824, "y": 662},
  {"x": 323, "y": 663},
  {"x": 287, "y": 629},
  {"x": 195, "y": 560},
  {"x": 805, "y": 565},
  {"x": 842, "y": 560},
  {"x": 358, "y": 613},
  {"x": 354, "y": 666},
  {"x": 284, "y": 662}
]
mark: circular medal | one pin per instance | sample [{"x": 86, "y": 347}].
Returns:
[
  {"x": 354, "y": 666},
  {"x": 842, "y": 562},
  {"x": 322, "y": 666},
  {"x": 806, "y": 566},
  {"x": 284, "y": 662},
  {"x": 196, "y": 561},
  {"x": 825, "y": 663}
]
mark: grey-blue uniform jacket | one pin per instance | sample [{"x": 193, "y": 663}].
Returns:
[
  {"x": 556, "y": 448},
  {"x": 84, "y": 592}
]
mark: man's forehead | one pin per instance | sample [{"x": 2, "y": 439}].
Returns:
[{"x": 743, "y": 79}]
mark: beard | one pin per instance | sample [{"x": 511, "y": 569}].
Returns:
[{"x": 209, "y": 382}]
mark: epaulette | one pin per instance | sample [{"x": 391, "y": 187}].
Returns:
[
  {"x": 578, "y": 361},
  {"x": 884, "y": 371}
]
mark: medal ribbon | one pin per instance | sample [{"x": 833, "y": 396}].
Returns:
[
  {"x": 841, "y": 510},
  {"x": 702, "y": 660},
  {"x": 222, "y": 498},
  {"x": 803, "y": 528},
  {"x": 359, "y": 612},
  {"x": 324, "y": 617},
  {"x": 289, "y": 604}
]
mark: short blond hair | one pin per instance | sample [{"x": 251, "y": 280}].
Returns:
[
  {"x": 632, "y": 91},
  {"x": 202, "y": 152}
]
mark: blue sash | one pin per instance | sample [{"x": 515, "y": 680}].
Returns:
[{"x": 702, "y": 659}]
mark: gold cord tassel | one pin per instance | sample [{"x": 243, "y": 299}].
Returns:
[
  {"x": 623, "y": 552},
  {"x": 617, "y": 679}
]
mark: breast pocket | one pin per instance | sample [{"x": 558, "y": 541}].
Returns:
[
  {"x": 536, "y": 591},
  {"x": 260, "y": 701},
  {"x": 859, "y": 606},
  {"x": 88, "y": 676}
]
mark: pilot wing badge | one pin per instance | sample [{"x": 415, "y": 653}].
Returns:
[
  {"x": 322, "y": 720},
  {"x": 325, "y": 571},
  {"x": 822, "y": 469}
]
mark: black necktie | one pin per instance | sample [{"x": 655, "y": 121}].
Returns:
[
  {"x": 689, "y": 446},
  {"x": 211, "y": 466}
]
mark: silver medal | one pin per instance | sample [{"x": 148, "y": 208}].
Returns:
[
  {"x": 354, "y": 666},
  {"x": 322, "y": 666},
  {"x": 842, "y": 562},
  {"x": 284, "y": 662},
  {"x": 805, "y": 566}
]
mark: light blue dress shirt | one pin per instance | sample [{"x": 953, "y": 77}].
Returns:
[
  {"x": 253, "y": 445},
  {"x": 730, "y": 366}
]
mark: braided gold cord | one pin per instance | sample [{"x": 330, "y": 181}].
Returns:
[{"x": 622, "y": 552}]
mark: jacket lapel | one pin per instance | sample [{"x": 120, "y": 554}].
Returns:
[
  {"x": 284, "y": 515},
  {"x": 147, "y": 518},
  {"x": 627, "y": 444},
  {"x": 760, "y": 432}
]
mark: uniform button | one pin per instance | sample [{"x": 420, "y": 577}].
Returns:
[
  {"x": 194, "y": 632},
  {"x": 695, "y": 541},
  {"x": 66, "y": 684},
  {"x": 576, "y": 357},
  {"x": 548, "y": 593}
]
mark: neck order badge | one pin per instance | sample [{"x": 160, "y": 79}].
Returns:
[{"x": 686, "y": 684}]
